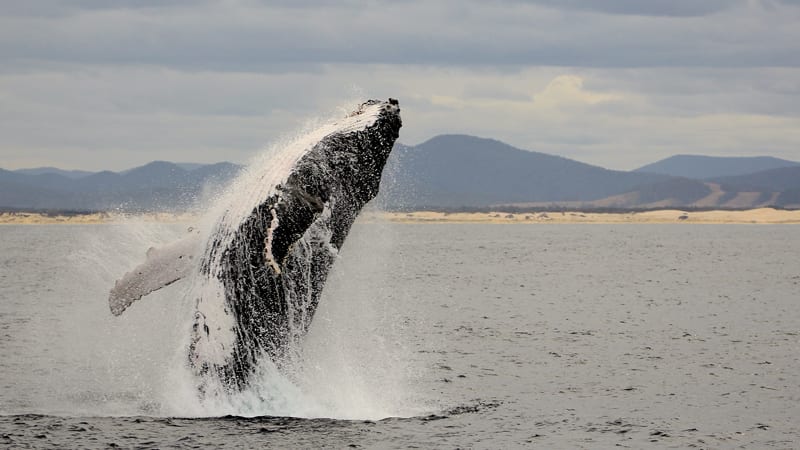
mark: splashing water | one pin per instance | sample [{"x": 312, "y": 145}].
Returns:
[
  {"x": 318, "y": 378},
  {"x": 79, "y": 360}
]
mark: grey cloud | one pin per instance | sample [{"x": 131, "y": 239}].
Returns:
[
  {"x": 777, "y": 4},
  {"x": 768, "y": 91},
  {"x": 61, "y": 8},
  {"x": 118, "y": 117},
  {"x": 674, "y": 8},
  {"x": 97, "y": 84},
  {"x": 255, "y": 36}
]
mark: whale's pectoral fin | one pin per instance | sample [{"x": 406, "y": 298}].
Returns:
[{"x": 162, "y": 267}]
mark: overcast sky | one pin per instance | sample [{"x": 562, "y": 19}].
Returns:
[{"x": 103, "y": 84}]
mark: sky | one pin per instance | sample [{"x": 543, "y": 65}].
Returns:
[{"x": 104, "y": 84}]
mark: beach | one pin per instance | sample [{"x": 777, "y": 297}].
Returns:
[
  {"x": 757, "y": 216},
  {"x": 752, "y": 216},
  {"x": 34, "y": 218}
]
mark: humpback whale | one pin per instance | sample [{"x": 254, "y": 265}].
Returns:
[{"x": 258, "y": 275}]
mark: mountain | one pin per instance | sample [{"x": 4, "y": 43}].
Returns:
[
  {"x": 779, "y": 187},
  {"x": 706, "y": 167},
  {"x": 219, "y": 172},
  {"x": 190, "y": 166},
  {"x": 158, "y": 185},
  {"x": 454, "y": 171},
  {"x": 460, "y": 171},
  {"x": 672, "y": 192},
  {"x": 44, "y": 170},
  {"x": 20, "y": 195},
  {"x": 445, "y": 172},
  {"x": 781, "y": 179}
]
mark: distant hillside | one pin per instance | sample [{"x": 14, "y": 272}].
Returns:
[
  {"x": 770, "y": 180},
  {"x": 42, "y": 170},
  {"x": 454, "y": 171},
  {"x": 156, "y": 186},
  {"x": 459, "y": 171},
  {"x": 672, "y": 192},
  {"x": 705, "y": 167},
  {"x": 779, "y": 187},
  {"x": 445, "y": 172}
]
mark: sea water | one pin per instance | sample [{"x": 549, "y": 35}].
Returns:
[{"x": 440, "y": 335}]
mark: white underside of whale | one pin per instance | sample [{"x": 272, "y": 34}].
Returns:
[{"x": 162, "y": 267}]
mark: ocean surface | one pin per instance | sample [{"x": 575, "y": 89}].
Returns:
[{"x": 427, "y": 336}]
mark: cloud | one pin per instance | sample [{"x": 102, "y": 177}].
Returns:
[
  {"x": 61, "y": 9},
  {"x": 119, "y": 117},
  {"x": 562, "y": 96},
  {"x": 96, "y": 84},
  {"x": 567, "y": 90},
  {"x": 671, "y": 8},
  {"x": 255, "y": 36}
]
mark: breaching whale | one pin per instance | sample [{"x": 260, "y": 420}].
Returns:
[{"x": 259, "y": 274}]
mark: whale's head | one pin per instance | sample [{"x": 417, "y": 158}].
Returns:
[
  {"x": 356, "y": 153},
  {"x": 386, "y": 116}
]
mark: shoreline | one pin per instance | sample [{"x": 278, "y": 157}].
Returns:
[
  {"x": 98, "y": 218},
  {"x": 752, "y": 216}
]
